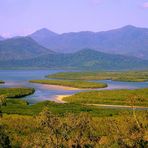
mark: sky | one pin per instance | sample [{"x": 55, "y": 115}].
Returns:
[{"x": 22, "y": 17}]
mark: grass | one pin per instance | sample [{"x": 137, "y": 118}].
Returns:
[
  {"x": 20, "y": 107},
  {"x": 15, "y": 102},
  {"x": 74, "y": 84},
  {"x": 113, "y": 97},
  {"x": 26, "y": 131},
  {"x": 16, "y": 92},
  {"x": 128, "y": 76},
  {"x": 24, "y": 127}
]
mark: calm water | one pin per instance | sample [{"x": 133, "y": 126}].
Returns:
[{"x": 20, "y": 78}]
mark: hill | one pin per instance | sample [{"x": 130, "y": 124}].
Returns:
[
  {"x": 21, "y": 48},
  {"x": 43, "y": 36},
  {"x": 85, "y": 59},
  {"x": 128, "y": 40}
]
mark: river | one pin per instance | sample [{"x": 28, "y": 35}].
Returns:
[{"x": 20, "y": 78}]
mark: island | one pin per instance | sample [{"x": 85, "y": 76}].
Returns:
[
  {"x": 125, "y": 76},
  {"x": 73, "y": 84}
]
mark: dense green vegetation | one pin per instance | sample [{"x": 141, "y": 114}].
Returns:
[
  {"x": 16, "y": 92},
  {"x": 130, "y": 76},
  {"x": 74, "y": 130},
  {"x": 20, "y": 106},
  {"x": 51, "y": 124},
  {"x": 114, "y": 97},
  {"x": 74, "y": 84},
  {"x": 17, "y": 106}
]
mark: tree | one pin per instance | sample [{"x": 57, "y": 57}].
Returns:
[
  {"x": 82, "y": 131},
  {"x": 51, "y": 124},
  {"x": 4, "y": 139},
  {"x": 74, "y": 131},
  {"x": 130, "y": 130}
]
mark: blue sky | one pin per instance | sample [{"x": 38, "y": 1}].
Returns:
[{"x": 21, "y": 17}]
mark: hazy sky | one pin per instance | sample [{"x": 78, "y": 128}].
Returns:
[{"x": 20, "y": 17}]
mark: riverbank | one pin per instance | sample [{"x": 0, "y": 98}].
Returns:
[
  {"x": 59, "y": 98},
  {"x": 125, "y": 97},
  {"x": 57, "y": 87}
]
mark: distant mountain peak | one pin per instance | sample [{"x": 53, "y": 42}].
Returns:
[
  {"x": 21, "y": 48},
  {"x": 129, "y": 26},
  {"x": 42, "y": 35},
  {"x": 86, "y": 50},
  {"x": 45, "y": 31}
]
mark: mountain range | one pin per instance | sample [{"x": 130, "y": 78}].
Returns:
[
  {"x": 121, "y": 49},
  {"x": 128, "y": 40}
]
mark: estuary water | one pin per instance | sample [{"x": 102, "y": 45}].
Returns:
[{"x": 20, "y": 78}]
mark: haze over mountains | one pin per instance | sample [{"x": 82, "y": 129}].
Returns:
[{"x": 81, "y": 50}]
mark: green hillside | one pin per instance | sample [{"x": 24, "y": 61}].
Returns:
[
  {"x": 21, "y": 48},
  {"x": 86, "y": 59}
]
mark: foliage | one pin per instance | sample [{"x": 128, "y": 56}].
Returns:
[
  {"x": 2, "y": 100},
  {"x": 16, "y": 106},
  {"x": 73, "y": 125},
  {"x": 75, "y": 84},
  {"x": 4, "y": 138},
  {"x": 128, "y": 133},
  {"x": 130, "y": 76},
  {"x": 2, "y": 103},
  {"x": 76, "y": 130}
]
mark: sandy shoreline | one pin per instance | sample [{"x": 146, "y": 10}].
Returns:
[
  {"x": 59, "y": 98},
  {"x": 58, "y": 87}
]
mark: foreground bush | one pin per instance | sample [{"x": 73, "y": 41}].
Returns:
[{"x": 77, "y": 130}]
